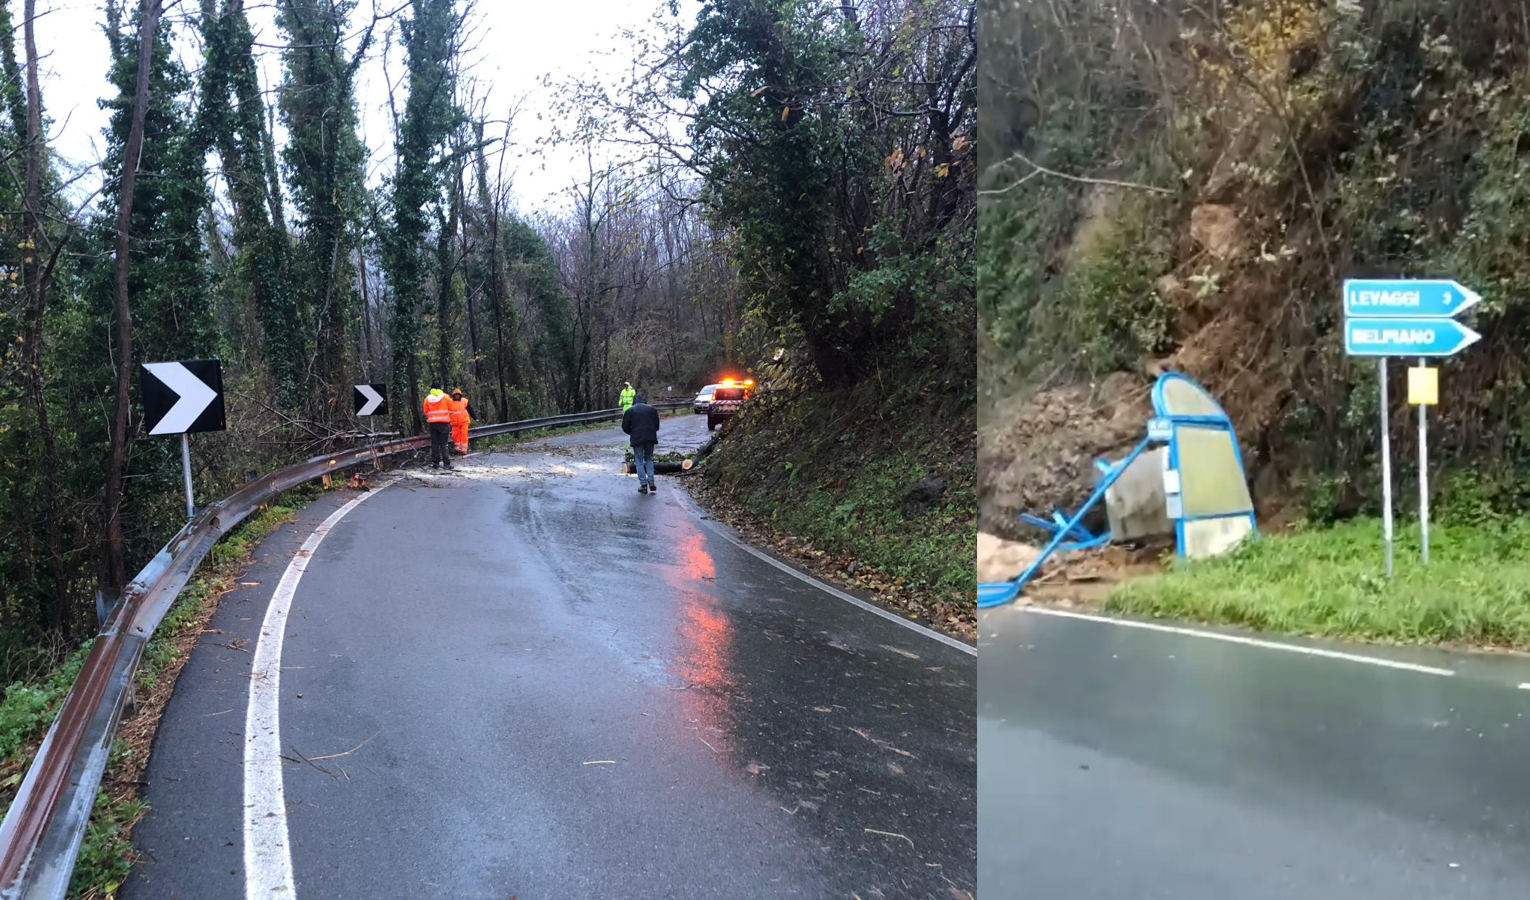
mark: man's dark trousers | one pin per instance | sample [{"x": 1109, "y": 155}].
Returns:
[{"x": 440, "y": 439}]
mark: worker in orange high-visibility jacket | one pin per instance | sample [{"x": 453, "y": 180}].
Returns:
[
  {"x": 462, "y": 417},
  {"x": 438, "y": 420}
]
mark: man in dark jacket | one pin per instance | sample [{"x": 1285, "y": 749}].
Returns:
[{"x": 641, "y": 422}]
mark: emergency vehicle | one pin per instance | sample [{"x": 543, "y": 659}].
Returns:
[{"x": 729, "y": 395}]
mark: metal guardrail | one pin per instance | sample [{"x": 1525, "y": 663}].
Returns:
[{"x": 41, "y": 835}]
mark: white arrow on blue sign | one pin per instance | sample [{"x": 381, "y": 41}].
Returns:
[
  {"x": 1388, "y": 336},
  {"x": 1407, "y": 298}
]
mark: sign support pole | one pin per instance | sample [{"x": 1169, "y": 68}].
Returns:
[
  {"x": 1423, "y": 475},
  {"x": 1386, "y": 470},
  {"x": 191, "y": 506},
  {"x": 1407, "y": 317}
]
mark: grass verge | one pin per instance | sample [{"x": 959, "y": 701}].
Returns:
[
  {"x": 829, "y": 478},
  {"x": 106, "y": 855},
  {"x": 1329, "y": 582}
]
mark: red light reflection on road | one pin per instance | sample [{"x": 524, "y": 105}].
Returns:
[
  {"x": 702, "y": 659},
  {"x": 698, "y": 562}
]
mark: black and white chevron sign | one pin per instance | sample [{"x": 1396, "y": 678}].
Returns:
[
  {"x": 182, "y": 397},
  {"x": 370, "y": 399}
]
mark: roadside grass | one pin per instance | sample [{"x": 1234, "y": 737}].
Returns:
[
  {"x": 1330, "y": 582},
  {"x": 829, "y": 473},
  {"x": 29, "y": 707},
  {"x": 106, "y": 855}
]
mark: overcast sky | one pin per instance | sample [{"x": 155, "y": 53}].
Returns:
[{"x": 516, "y": 43}]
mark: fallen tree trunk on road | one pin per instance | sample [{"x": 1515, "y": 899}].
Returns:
[{"x": 661, "y": 468}]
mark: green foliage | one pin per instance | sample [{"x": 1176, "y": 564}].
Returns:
[
  {"x": 231, "y": 118},
  {"x": 429, "y": 118},
  {"x": 106, "y": 854},
  {"x": 1015, "y": 253},
  {"x": 1322, "y": 496},
  {"x": 1329, "y": 581},
  {"x": 533, "y": 273},
  {"x": 1102, "y": 313},
  {"x": 28, "y": 707},
  {"x": 167, "y": 278},
  {"x": 1109, "y": 303},
  {"x": 816, "y": 191},
  {"x": 324, "y": 158},
  {"x": 834, "y": 468}
]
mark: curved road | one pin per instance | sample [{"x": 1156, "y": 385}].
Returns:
[
  {"x": 1125, "y": 763},
  {"x": 522, "y": 679}
]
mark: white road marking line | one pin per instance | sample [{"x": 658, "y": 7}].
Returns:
[
  {"x": 1239, "y": 639},
  {"x": 267, "y": 850},
  {"x": 1524, "y": 685},
  {"x": 830, "y": 589}
]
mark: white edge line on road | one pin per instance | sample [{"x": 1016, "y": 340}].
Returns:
[
  {"x": 1246, "y": 641},
  {"x": 946, "y": 639},
  {"x": 267, "y": 850},
  {"x": 1524, "y": 685}
]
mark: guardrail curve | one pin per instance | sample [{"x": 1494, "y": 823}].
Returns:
[{"x": 42, "y": 831}]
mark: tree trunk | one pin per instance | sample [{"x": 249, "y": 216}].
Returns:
[
  {"x": 446, "y": 267},
  {"x": 366, "y": 315},
  {"x": 499, "y": 282},
  {"x": 36, "y": 282},
  {"x": 460, "y": 198},
  {"x": 122, "y": 318},
  {"x": 498, "y": 293},
  {"x": 416, "y": 411}
]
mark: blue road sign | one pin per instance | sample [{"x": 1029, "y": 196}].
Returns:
[
  {"x": 1407, "y": 298},
  {"x": 1383, "y": 336}
]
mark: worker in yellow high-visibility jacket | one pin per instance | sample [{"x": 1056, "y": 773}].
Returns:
[
  {"x": 628, "y": 394},
  {"x": 438, "y": 419}
]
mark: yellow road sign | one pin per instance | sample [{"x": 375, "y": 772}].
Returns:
[{"x": 1423, "y": 386}]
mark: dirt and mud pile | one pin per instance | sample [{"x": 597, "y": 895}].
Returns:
[
  {"x": 1037, "y": 451},
  {"x": 1001, "y": 560}
]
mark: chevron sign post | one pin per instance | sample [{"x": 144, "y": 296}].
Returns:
[
  {"x": 370, "y": 399},
  {"x": 181, "y": 398}
]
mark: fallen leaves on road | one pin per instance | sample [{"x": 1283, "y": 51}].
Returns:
[{"x": 887, "y": 591}]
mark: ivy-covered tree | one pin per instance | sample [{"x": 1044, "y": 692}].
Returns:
[
  {"x": 429, "y": 118},
  {"x": 833, "y": 142},
  {"x": 535, "y": 280},
  {"x": 232, "y": 119},
  {"x": 160, "y": 243},
  {"x": 324, "y": 158}
]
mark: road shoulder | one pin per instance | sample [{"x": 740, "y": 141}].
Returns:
[{"x": 190, "y": 841}]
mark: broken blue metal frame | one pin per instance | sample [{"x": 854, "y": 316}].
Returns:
[
  {"x": 1220, "y": 422},
  {"x": 1083, "y": 539},
  {"x": 999, "y": 593}
]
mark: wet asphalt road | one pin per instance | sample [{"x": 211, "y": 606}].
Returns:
[
  {"x": 560, "y": 688},
  {"x": 1123, "y": 764}
]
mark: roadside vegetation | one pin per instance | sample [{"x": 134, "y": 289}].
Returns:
[
  {"x": 875, "y": 491},
  {"x": 28, "y": 707},
  {"x": 1329, "y": 581},
  {"x": 1176, "y": 186}
]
